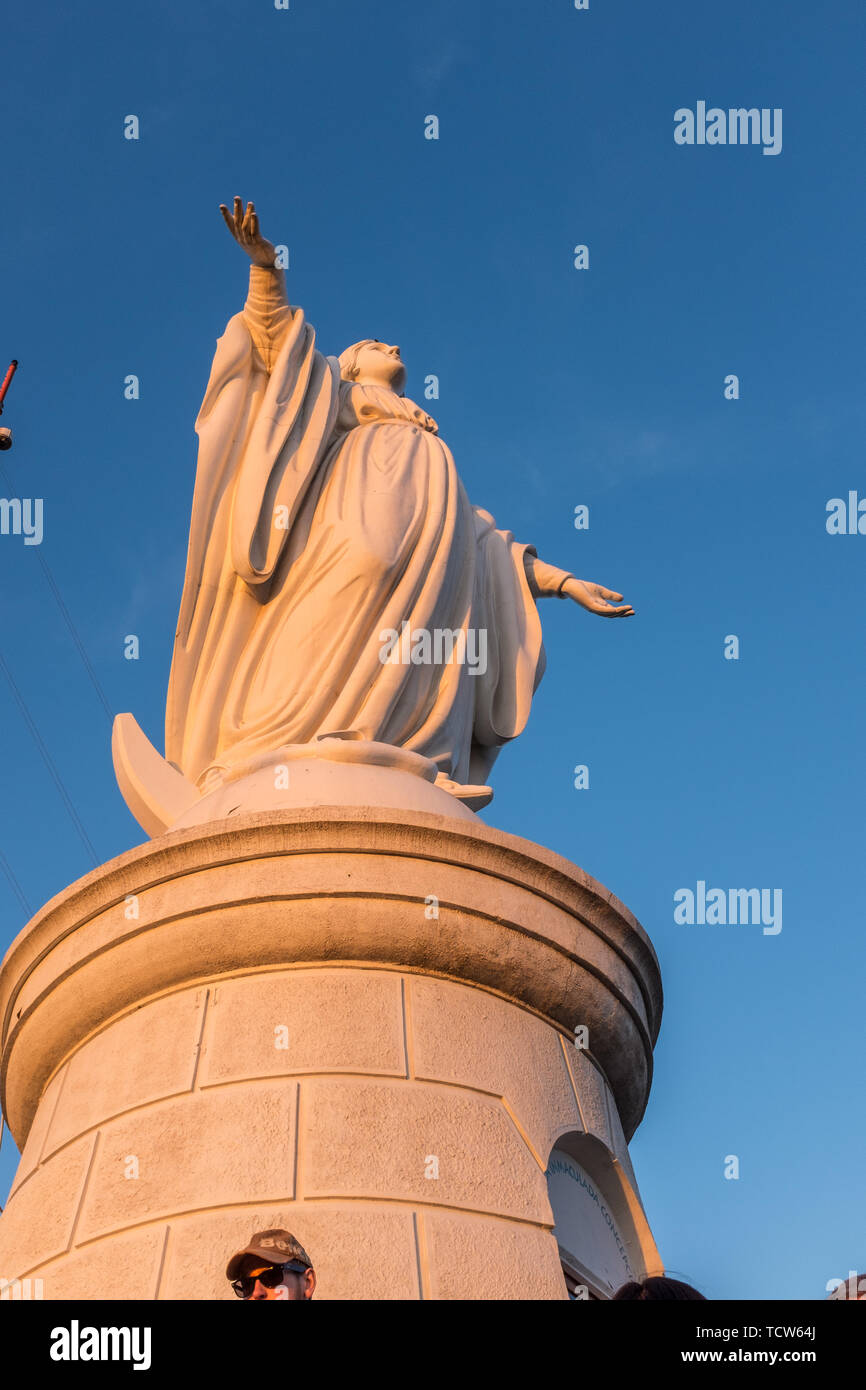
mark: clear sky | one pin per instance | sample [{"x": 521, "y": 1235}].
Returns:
[{"x": 558, "y": 387}]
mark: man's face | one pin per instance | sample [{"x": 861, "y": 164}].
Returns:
[{"x": 292, "y": 1287}]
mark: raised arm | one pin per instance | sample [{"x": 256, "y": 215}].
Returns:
[{"x": 267, "y": 311}]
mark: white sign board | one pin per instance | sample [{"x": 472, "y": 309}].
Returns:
[{"x": 585, "y": 1228}]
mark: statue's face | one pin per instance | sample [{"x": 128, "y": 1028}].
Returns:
[{"x": 380, "y": 364}]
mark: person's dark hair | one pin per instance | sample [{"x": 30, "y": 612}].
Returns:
[{"x": 657, "y": 1286}]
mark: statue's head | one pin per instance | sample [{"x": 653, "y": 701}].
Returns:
[{"x": 372, "y": 363}]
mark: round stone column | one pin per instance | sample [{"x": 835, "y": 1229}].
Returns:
[{"x": 354, "y": 1023}]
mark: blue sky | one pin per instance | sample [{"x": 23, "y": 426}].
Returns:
[{"x": 557, "y": 387}]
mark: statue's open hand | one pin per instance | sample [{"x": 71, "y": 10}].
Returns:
[
  {"x": 595, "y": 598},
  {"x": 244, "y": 227}
]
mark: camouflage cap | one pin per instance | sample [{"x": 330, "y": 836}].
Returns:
[{"x": 275, "y": 1247}]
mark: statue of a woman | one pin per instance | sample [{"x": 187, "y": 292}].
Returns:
[{"x": 328, "y": 514}]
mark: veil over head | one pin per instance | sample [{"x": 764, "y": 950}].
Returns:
[{"x": 348, "y": 359}]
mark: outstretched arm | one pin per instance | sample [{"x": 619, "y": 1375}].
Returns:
[
  {"x": 546, "y": 581},
  {"x": 267, "y": 311}
]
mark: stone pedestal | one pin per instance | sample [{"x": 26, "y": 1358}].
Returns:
[{"x": 355, "y": 1023}]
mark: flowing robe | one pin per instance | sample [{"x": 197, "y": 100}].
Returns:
[{"x": 325, "y": 513}]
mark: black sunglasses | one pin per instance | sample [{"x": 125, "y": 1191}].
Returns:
[{"x": 271, "y": 1277}]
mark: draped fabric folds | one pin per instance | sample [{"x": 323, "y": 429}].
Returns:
[{"x": 325, "y": 515}]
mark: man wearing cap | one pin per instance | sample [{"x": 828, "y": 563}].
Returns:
[{"x": 272, "y": 1265}]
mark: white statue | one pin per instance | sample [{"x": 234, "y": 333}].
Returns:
[{"x": 338, "y": 581}]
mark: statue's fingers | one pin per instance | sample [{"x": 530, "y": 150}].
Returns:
[
  {"x": 254, "y": 230},
  {"x": 227, "y": 218},
  {"x": 608, "y": 611},
  {"x": 247, "y": 222},
  {"x": 608, "y": 593}
]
